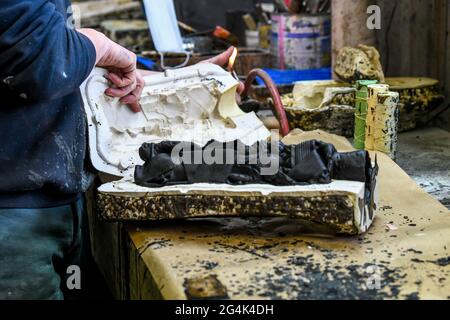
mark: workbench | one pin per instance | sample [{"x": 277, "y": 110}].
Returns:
[{"x": 405, "y": 254}]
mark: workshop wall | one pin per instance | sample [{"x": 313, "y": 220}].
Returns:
[
  {"x": 416, "y": 42},
  {"x": 204, "y": 14}
]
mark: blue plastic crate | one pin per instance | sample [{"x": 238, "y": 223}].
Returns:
[{"x": 291, "y": 76}]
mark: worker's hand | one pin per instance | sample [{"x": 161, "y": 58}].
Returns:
[
  {"x": 126, "y": 87},
  {"x": 222, "y": 60},
  {"x": 125, "y": 82}
]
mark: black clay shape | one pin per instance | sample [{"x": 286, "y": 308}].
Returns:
[
  {"x": 308, "y": 165},
  {"x": 157, "y": 172},
  {"x": 211, "y": 173},
  {"x": 244, "y": 174},
  {"x": 350, "y": 166}
]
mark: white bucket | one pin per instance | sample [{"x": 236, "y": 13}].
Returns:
[
  {"x": 252, "y": 38},
  {"x": 301, "y": 41}
]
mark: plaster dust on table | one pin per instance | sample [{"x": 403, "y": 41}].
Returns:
[{"x": 195, "y": 104}]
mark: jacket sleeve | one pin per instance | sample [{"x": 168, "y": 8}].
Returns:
[{"x": 41, "y": 56}]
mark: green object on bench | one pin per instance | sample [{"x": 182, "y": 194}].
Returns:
[{"x": 361, "y": 112}]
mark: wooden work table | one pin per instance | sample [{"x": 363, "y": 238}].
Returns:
[{"x": 405, "y": 254}]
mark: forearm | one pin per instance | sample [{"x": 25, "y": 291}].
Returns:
[
  {"x": 99, "y": 40},
  {"x": 101, "y": 43}
]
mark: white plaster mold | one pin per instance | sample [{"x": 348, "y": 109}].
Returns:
[{"x": 195, "y": 103}]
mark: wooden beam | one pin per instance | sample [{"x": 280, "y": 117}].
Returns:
[
  {"x": 349, "y": 25},
  {"x": 443, "y": 63}
]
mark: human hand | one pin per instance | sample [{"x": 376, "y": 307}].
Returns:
[
  {"x": 221, "y": 60},
  {"x": 125, "y": 82}
]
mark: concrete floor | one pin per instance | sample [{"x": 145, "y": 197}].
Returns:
[{"x": 425, "y": 155}]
